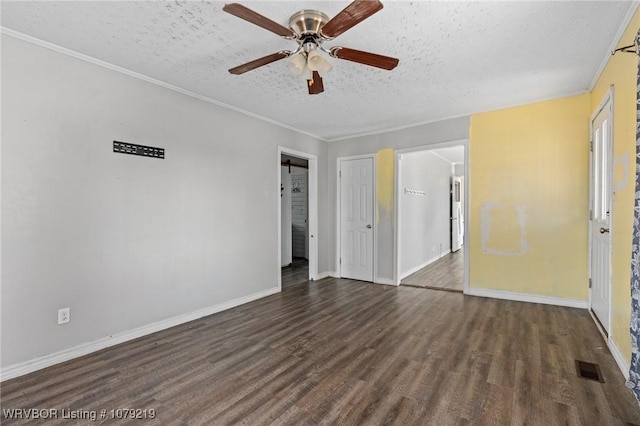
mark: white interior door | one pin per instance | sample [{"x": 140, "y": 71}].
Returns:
[
  {"x": 456, "y": 214},
  {"x": 601, "y": 194},
  {"x": 356, "y": 219}
]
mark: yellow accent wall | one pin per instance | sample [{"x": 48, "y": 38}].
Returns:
[
  {"x": 621, "y": 71},
  {"x": 385, "y": 161},
  {"x": 529, "y": 196},
  {"x": 385, "y": 187}
]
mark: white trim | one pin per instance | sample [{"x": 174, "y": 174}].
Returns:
[
  {"x": 617, "y": 355},
  {"x": 338, "y": 243},
  {"x": 452, "y": 117},
  {"x": 396, "y": 129},
  {"x": 32, "y": 365},
  {"x": 608, "y": 96},
  {"x": 428, "y": 262},
  {"x": 374, "y": 209},
  {"x": 325, "y": 274},
  {"x": 125, "y": 71},
  {"x": 596, "y": 322},
  {"x": 395, "y": 269},
  {"x": 339, "y": 161},
  {"x": 467, "y": 218},
  {"x": 441, "y": 157},
  {"x": 384, "y": 281},
  {"x": 398, "y": 190},
  {"x": 614, "y": 42},
  {"x": 613, "y": 348},
  {"x": 312, "y": 239},
  {"x": 530, "y": 298},
  {"x": 312, "y": 217}
]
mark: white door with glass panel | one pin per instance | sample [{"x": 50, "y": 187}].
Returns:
[
  {"x": 601, "y": 194},
  {"x": 356, "y": 219}
]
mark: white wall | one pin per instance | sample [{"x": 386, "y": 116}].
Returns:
[
  {"x": 424, "y": 219},
  {"x": 128, "y": 241},
  {"x": 432, "y": 133}
]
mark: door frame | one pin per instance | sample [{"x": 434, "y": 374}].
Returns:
[
  {"x": 312, "y": 236},
  {"x": 374, "y": 212},
  {"x": 397, "y": 207},
  {"x": 608, "y": 97},
  {"x": 452, "y": 184}
]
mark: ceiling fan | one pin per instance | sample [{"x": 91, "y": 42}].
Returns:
[{"x": 311, "y": 28}]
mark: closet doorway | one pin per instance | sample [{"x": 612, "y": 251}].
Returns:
[{"x": 297, "y": 239}]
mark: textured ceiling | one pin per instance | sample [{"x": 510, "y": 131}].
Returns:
[{"x": 456, "y": 58}]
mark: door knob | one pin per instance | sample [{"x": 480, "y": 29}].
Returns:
[
  {"x": 368, "y": 226},
  {"x": 603, "y": 230}
]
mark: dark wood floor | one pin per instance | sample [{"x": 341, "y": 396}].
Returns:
[
  {"x": 337, "y": 351},
  {"x": 446, "y": 273},
  {"x": 295, "y": 274}
]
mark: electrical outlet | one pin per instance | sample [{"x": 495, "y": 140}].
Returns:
[{"x": 64, "y": 315}]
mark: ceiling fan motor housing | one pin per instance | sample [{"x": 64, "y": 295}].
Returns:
[{"x": 307, "y": 22}]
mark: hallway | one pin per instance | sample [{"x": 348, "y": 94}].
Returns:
[{"x": 446, "y": 274}]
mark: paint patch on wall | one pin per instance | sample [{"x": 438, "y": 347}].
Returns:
[
  {"x": 503, "y": 229},
  {"x": 385, "y": 181},
  {"x": 621, "y": 171}
]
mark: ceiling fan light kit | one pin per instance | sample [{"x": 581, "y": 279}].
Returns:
[
  {"x": 298, "y": 66},
  {"x": 311, "y": 28}
]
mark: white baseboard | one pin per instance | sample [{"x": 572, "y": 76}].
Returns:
[
  {"x": 617, "y": 355},
  {"x": 325, "y": 274},
  {"x": 622, "y": 363},
  {"x": 531, "y": 298},
  {"x": 384, "y": 281},
  {"x": 422, "y": 265},
  {"x": 30, "y": 366}
]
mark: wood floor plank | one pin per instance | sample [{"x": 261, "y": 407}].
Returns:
[
  {"x": 496, "y": 406},
  {"x": 503, "y": 366},
  {"x": 527, "y": 394},
  {"x": 338, "y": 351},
  {"x": 446, "y": 273}
]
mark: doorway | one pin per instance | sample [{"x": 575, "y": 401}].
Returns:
[
  {"x": 297, "y": 217},
  {"x": 431, "y": 206},
  {"x": 600, "y": 194}
]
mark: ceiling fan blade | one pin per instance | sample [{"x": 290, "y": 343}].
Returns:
[
  {"x": 249, "y": 15},
  {"x": 372, "y": 59},
  {"x": 256, "y": 63},
  {"x": 315, "y": 84},
  {"x": 349, "y": 17}
]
